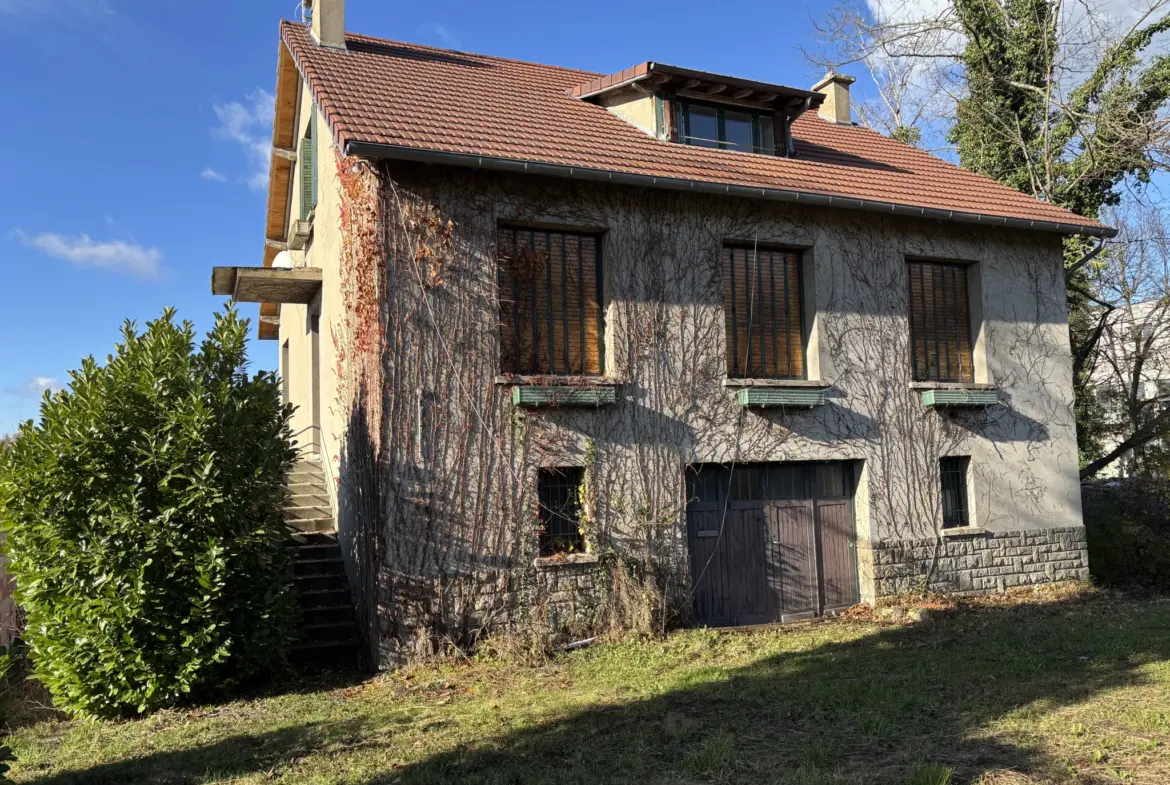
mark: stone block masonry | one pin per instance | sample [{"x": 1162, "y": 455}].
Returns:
[{"x": 979, "y": 563}]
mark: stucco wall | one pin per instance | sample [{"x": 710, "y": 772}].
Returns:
[{"x": 456, "y": 462}]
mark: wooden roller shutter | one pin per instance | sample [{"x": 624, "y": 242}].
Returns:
[
  {"x": 550, "y": 302},
  {"x": 762, "y": 309},
  {"x": 940, "y": 331}
]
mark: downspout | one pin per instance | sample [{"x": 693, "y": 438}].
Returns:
[{"x": 1088, "y": 257}]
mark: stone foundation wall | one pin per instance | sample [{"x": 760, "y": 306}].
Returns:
[
  {"x": 560, "y": 599},
  {"x": 982, "y": 563}
]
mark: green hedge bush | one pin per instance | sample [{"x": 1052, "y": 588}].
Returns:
[
  {"x": 145, "y": 525},
  {"x": 1127, "y": 523}
]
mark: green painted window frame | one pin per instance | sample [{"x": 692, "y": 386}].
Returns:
[{"x": 758, "y": 146}]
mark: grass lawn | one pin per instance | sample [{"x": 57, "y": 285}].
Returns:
[{"x": 1067, "y": 686}]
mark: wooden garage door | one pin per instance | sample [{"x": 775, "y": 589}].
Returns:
[{"x": 771, "y": 542}]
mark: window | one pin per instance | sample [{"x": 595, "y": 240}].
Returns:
[
  {"x": 560, "y": 510},
  {"x": 550, "y": 295},
  {"x": 761, "y": 304},
  {"x": 727, "y": 128},
  {"x": 940, "y": 333},
  {"x": 954, "y": 492},
  {"x": 309, "y": 169}
]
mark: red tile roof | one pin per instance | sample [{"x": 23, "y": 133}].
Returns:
[{"x": 417, "y": 101}]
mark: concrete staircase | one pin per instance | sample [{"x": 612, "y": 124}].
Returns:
[
  {"x": 329, "y": 633},
  {"x": 307, "y": 508}
]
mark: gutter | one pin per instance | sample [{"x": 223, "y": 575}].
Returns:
[{"x": 469, "y": 160}]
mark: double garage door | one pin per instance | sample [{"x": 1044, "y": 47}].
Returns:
[{"x": 771, "y": 542}]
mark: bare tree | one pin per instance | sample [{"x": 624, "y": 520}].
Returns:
[
  {"x": 1130, "y": 367},
  {"x": 1065, "y": 101}
]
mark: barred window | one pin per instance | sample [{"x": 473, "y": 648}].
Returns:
[
  {"x": 550, "y": 295},
  {"x": 954, "y": 492},
  {"x": 940, "y": 334},
  {"x": 762, "y": 309},
  {"x": 560, "y": 510}
]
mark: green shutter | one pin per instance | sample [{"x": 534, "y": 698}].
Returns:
[
  {"x": 313, "y": 133},
  {"x": 308, "y": 180}
]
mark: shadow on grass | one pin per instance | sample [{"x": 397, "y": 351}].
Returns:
[
  {"x": 883, "y": 708},
  {"x": 887, "y": 708},
  {"x": 223, "y": 761}
]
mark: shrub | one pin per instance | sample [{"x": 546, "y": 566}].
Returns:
[
  {"x": 1127, "y": 523},
  {"x": 145, "y": 525}
]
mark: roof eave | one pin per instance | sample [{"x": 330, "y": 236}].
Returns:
[{"x": 469, "y": 160}]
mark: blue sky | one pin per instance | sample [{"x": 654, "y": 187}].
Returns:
[{"x": 133, "y": 147}]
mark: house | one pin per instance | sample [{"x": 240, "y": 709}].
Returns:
[
  {"x": 1130, "y": 371},
  {"x": 579, "y": 349}
]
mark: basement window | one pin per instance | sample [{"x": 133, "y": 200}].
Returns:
[
  {"x": 726, "y": 128},
  {"x": 559, "y": 492},
  {"x": 956, "y": 513}
]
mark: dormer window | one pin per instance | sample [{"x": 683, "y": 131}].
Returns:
[
  {"x": 726, "y": 128},
  {"x": 703, "y": 109}
]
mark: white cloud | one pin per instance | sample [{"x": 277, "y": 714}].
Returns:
[
  {"x": 211, "y": 174},
  {"x": 81, "y": 251},
  {"x": 249, "y": 124},
  {"x": 35, "y": 387},
  {"x": 72, "y": 13},
  {"x": 441, "y": 32}
]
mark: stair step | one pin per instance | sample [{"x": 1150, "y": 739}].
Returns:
[
  {"x": 306, "y": 487},
  {"x": 323, "y": 598},
  {"x": 310, "y": 513},
  {"x": 331, "y": 631},
  {"x": 319, "y": 567},
  {"x": 312, "y": 525},
  {"x": 327, "y": 614},
  {"x": 317, "y": 582},
  {"x": 324, "y": 551},
  {"x": 314, "y": 538},
  {"x": 320, "y": 501},
  {"x": 340, "y": 655}
]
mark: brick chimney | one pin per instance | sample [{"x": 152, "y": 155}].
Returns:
[
  {"x": 328, "y": 22},
  {"x": 835, "y": 87}
]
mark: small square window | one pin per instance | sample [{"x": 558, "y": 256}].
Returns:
[
  {"x": 956, "y": 512},
  {"x": 559, "y": 491}
]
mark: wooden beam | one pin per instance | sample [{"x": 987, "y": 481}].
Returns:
[
  {"x": 741, "y": 94},
  {"x": 660, "y": 78},
  {"x": 765, "y": 98},
  {"x": 691, "y": 84},
  {"x": 279, "y": 245},
  {"x": 286, "y": 153},
  {"x": 716, "y": 89}
]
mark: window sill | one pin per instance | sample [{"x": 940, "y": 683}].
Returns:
[
  {"x": 951, "y": 386},
  {"x": 964, "y": 531},
  {"x": 555, "y": 381},
  {"x": 959, "y": 397},
  {"x": 537, "y": 396},
  {"x": 564, "y": 560},
  {"x": 777, "y": 383}
]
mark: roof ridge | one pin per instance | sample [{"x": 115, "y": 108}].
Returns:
[{"x": 437, "y": 49}]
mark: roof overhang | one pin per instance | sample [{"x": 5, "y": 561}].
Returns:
[
  {"x": 267, "y": 284},
  {"x": 397, "y": 152},
  {"x": 280, "y": 177},
  {"x": 720, "y": 87}
]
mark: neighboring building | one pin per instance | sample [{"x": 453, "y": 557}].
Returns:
[
  {"x": 1131, "y": 375},
  {"x": 577, "y": 349}
]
